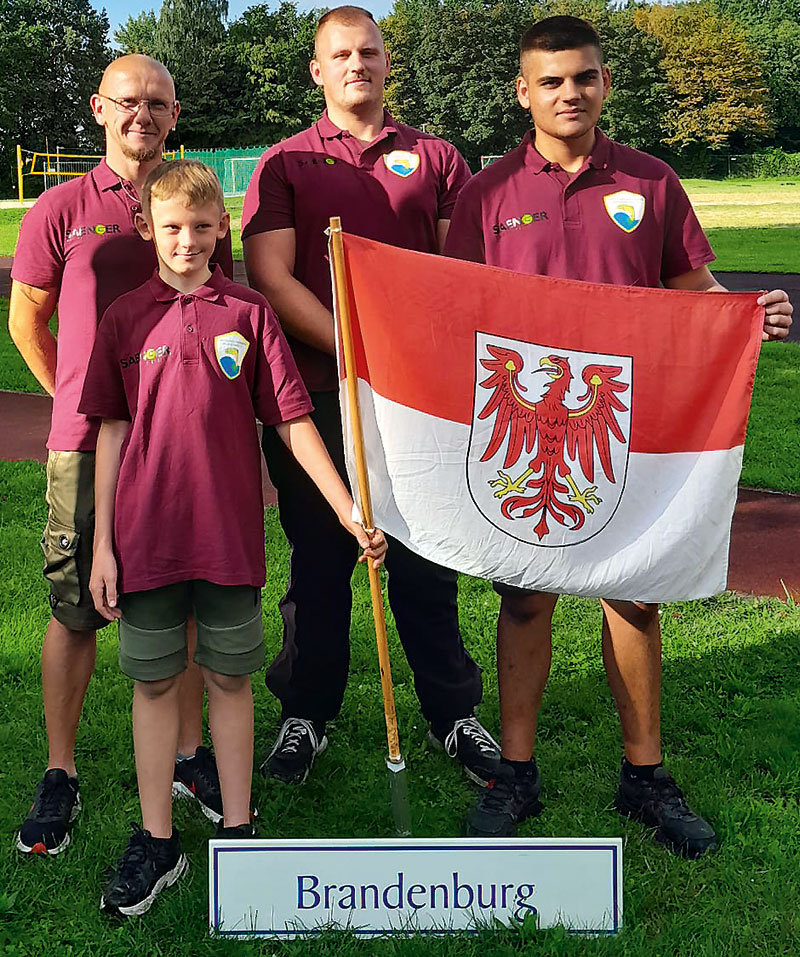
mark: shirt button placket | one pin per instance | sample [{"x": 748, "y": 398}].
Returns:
[{"x": 190, "y": 338}]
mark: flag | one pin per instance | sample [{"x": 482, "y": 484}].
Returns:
[{"x": 549, "y": 434}]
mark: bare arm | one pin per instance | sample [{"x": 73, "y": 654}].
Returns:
[
  {"x": 442, "y": 226},
  {"x": 303, "y": 441},
  {"x": 103, "y": 581},
  {"x": 29, "y": 315},
  {"x": 269, "y": 260},
  {"x": 777, "y": 307}
]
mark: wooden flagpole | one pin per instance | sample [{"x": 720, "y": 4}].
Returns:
[{"x": 395, "y": 763}]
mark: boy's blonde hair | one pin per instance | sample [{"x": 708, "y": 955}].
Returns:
[{"x": 193, "y": 181}]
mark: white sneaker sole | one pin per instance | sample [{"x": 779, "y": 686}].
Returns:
[
  {"x": 136, "y": 910},
  {"x": 180, "y": 791},
  {"x": 52, "y": 851}
]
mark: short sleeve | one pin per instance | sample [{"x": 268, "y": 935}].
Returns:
[
  {"x": 103, "y": 395},
  {"x": 685, "y": 245},
  {"x": 39, "y": 258},
  {"x": 269, "y": 200},
  {"x": 278, "y": 391},
  {"x": 465, "y": 236},
  {"x": 454, "y": 176}
]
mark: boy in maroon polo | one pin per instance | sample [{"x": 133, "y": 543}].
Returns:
[
  {"x": 78, "y": 249},
  {"x": 180, "y": 368},
  {"x": 391, "y": 183},
  {"x": 571, "y": 203}
]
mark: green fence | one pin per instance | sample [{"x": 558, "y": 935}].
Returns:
[{"x": 233, "y": 166}]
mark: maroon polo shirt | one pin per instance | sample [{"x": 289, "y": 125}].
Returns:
[
  {"x": 394, "y": 190},
  {"x": 80, "y": 238},
  {"x": 191, "y": 372},
  {"x": 623, "y": 218}
]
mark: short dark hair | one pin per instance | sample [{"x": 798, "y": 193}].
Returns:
[
  {"x": 559, "y": 33},
  {"x": 347, "y": 16}
]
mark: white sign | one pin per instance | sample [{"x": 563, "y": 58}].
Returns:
[{"x": 284, "y": 889}]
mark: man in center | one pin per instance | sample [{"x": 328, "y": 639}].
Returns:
[{"x": 393, "y": 184}]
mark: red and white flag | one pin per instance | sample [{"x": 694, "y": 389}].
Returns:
[{"x": 550, "y": 434}]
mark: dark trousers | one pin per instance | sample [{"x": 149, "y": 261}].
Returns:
[{"x": 309, "y": 674}]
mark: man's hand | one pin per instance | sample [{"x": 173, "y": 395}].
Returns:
[
  {"x": 103, "y": 583},
  {"x": 778, "y": 316}
]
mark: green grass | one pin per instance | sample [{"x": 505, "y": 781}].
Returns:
[
  {"x": 9, "y": 227},
  {"x": 731, "y": 700},
  {"x": 747, "y": 249},
  {"x": 772, "y": 449}
]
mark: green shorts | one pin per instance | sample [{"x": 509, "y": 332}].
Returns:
[
  {"x": 68, "y": 538},
  {"x": 152, "y": 630}
]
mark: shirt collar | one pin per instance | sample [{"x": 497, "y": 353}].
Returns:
[
  {"x": 106, "y": 178},
  {"x": 210, "y": 291},
  {"x": 328, "y": 130},
  {"x": 598, "y": 159}
]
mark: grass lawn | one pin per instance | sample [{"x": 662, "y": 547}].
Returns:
[{"x": 731, "y": 699}]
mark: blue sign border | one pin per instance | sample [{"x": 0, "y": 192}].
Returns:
[{"x": 372, "y": 932}]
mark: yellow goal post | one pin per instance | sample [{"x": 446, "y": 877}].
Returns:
[{"x": 55, "y": 167}]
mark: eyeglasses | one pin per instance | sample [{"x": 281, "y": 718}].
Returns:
[{"x": 132, "y": 106}]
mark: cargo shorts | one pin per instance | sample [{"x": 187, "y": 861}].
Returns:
[
  {"x": 152, "y": 630},
  {"x": 68, "y": 539}
]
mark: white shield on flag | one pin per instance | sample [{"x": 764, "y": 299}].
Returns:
[{"x": 550, "y": 438}]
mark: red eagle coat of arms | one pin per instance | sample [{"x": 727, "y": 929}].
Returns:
[{"x": 550, "y": 439}]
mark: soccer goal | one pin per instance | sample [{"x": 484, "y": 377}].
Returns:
[{"x": 56, "y": 167}]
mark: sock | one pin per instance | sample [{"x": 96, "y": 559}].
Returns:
[
  {"x": 638, "y": 772},
  {"x": 521, "y": 769},
  {"x": 183, "y": 757}
]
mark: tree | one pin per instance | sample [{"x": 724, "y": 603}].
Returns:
[
  {"x": 455, "y": 62},
  {"x": 137, "y": 34},
  {"x": 52, "y": 53},
  {"x": 272, "y": 51},
  {"x": 714, "y": 75}
]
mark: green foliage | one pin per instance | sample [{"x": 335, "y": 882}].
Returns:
[
  {"x": 51, "y": 55},
  {"x": 454, "y": 65},
  {"x": 719, "y": 96},
  {"x": 272, "y": 51},
  {"x": 137, "y": 34}
]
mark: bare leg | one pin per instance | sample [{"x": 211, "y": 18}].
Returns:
[
  {"x": 155, "y": 738},
  {"x": 524, "y": 651},
  {"x": 190, "y": 735},
  {"x": 67, "y": 664},
  {"x": 632, "y": 658},
  {"x": 230, "y": 717}
]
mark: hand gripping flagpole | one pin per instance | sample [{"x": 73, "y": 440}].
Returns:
[{"x": 397, "y": 777}]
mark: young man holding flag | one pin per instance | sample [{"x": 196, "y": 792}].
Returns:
[
  {"x": 395, "y": 184},
  {"x": 570, "y": 203}
]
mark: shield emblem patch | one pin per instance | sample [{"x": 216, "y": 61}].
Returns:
[
  {"x": 550, "y": 438},
  {"x": 625, "y": 208},
  {"x": 401, "y": 162},
  {"x": 230, "y": 349}
]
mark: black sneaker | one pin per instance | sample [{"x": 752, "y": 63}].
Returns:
[
  {"x": 240, "y": 832},
  {"x": 292, "y": 756},
  {"x": 472, "y": 745},
  {"x": 144, "y": 870},
  {"x": 56, "y": 804},
  {"x": 197, "y": 777},
  {"x": 660, "y": 804},
  {"x": 507, "y": 801}
]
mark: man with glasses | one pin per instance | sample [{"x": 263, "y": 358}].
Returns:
[{"x": 79, "y": 250}]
